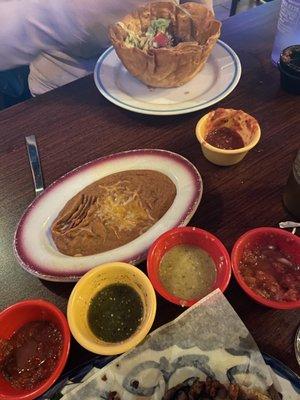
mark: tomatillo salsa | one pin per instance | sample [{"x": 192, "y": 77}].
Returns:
[{"x": 115, "y": 313}]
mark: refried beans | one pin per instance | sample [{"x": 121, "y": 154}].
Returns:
[{"x": 112, "y": 211}]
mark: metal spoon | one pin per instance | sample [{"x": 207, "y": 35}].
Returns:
[
  {"x": 35, "y": 164},
  {"x": 297, "y": 345},
  {"x": 289, "y": 224}
]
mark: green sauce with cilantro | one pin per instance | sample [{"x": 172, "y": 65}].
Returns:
[{"x": 115, "y": 313}]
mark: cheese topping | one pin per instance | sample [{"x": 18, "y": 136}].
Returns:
[{"x": 121, "y": 209}]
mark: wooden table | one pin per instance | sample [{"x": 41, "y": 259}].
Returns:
[{"x": 75, "y": 124}]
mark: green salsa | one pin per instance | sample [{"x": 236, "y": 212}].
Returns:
[
  {"x": 115, "y": 312},
  {"x": 187, "y": 271}
]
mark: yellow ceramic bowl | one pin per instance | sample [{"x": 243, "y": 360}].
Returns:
[
  {"x": 89, "y": 285},
  {"x": 238, "y": 120}
]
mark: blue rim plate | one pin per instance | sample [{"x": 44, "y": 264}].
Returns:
[
  {"x": 217, "y": 79},
  {"x": 75, "y": 376},
  {"x": 283, "y": 373}
]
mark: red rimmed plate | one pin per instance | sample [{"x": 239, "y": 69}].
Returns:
[{"x": 33, "y": 244}]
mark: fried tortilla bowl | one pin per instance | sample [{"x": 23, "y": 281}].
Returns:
[{"x": 195, "y": 30}]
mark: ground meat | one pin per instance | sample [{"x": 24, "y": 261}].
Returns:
[
  {"x": 171, "y": 393},
  {"x": 233, "y": 391},
  {"x": 113, "y": 396},
  {"x": 196, "y": 389},
  {"x": 214, "y": 388},
  {"x": 222, "y": 392},
  {"x": 211, "y": 389},
  {"x": 135, "y": 384},
  {"x": 181, "y": 395}
]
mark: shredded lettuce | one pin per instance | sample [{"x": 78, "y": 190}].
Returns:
[
  {"x": 132, "y": 40},
  {"x": 145, "y": 42},
  {"x": 158, "y": 25}
]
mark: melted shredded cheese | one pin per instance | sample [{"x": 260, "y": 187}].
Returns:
[{"x": 121, "y": 209}]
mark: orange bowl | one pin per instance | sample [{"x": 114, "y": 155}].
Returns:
[{"x": 16, "y": 316}]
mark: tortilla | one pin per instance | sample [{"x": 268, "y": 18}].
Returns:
[
  {"x": 237, "y": 120},
  {"x": 112, "y": 211},
  {"x": 196, "y": 32}
]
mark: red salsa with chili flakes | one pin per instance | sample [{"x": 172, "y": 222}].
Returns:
[
  {"x": 225, "y": 138},
  {"x": 30, "y": 356},
  {"x": 271, "y": 273}
]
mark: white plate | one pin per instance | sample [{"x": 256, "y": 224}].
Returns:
[
  {"x": 218, "y": 78},
  {"x": 34, "y": 247}
]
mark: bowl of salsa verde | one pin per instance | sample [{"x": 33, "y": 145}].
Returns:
[
  {"x": 34, "y": 347},
  {"x": 186, "y": 263},
  {"x": 266, "y": 264},
  {"x": 111, "y": 308},
  {"x": 226, "y": 135}
]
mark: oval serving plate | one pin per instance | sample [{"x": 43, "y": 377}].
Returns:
[{"x": 33, "y": 244}]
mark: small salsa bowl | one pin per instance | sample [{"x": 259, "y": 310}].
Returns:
[
  {"x": 192, "y": 236},
  {"x": 89, "y": 285},
  {"x": 289, "y": 67},
  {"x": 284, "y": 240},
  {"x": 16, "y": 316},
  {"x": 244, "y": 124}
]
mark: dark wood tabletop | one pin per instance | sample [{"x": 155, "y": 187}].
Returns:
[{"x": 75, "y": 124}]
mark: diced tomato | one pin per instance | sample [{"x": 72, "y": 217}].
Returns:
[
  {"x": 251, "y": 281},
  {"x": 271, "y": 273},
  {"x": 279, "y": 267},
  {"x": 161, "y": 39},
  {"x": 288, "y": 281},
  {"x": 5, "y": 348},
  {"x": 291, "y": 295}
]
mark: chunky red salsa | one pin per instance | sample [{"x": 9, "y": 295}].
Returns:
[
  {"x": 30, "y": 356},
  {"x": 271, "y": 273},
  {"x": 225, "y": 138}
]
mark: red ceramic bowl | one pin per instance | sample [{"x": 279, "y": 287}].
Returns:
[
  {"x": 193, "y": 236},
  {"x": 287, "y": 243},
  {"x": 13, "y": 318}
]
